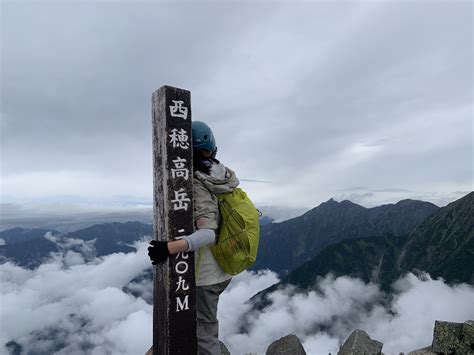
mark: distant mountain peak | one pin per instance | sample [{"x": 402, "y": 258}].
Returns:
[
  {"x": 334, "y": 202},
  {"x": 17, "y": 229},
  {"x": 332, "y": 205},
  {"x": 406, "y": 201},
  {"x": 409, "y": 201},
  {"x": 331, "y": 201},
  {"x": 330, "y": 222},
  {"x": 349, "y": 203}
]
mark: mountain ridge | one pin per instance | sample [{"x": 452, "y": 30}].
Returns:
[
  {"x": 109, "y": 238},
  {"x": 383, "y": 260},
  {"x": 288, "y": 244}
]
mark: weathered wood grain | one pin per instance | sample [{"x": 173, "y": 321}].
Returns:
[{"x": 174, "y": 312}]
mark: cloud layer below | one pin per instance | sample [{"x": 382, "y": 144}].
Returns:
[
  {"x": 323, "y": 319},
  {"x": 73, "y": 304}
]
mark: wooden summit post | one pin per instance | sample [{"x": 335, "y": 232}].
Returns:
[{"x": 174, "y": 305}]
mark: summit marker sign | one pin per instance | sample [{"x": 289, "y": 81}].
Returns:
[{"x": 174, "y": 310}]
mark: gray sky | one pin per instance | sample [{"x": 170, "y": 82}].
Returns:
[{"x": 369, "y": 101}]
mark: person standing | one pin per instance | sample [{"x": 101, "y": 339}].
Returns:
[{"x": 210, "y": 178}]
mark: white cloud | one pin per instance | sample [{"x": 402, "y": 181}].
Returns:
[
  {"x": 96, "y": 308},
  {"x": 72, "y": 258},
  {"x": 71, "y": 251},
  {"x": 323, "y": 319},
  {"x": 83, "y": 302},
  {"x": 233, "y": 302}
]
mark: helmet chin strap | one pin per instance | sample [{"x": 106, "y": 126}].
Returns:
[{"x": 214, "y": 153}]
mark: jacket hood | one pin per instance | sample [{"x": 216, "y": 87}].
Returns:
[{"x": 219, "y": 180}]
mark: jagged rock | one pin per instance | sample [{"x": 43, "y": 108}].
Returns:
[
  {"x": 359, "y": 343},
  {"x": 289, "y": 344},
  {"x": 424, "y": 351},
  {"x": 224, "y": 350},
  {"x": 468, "y": 333},
  {"x": 453, "y": 338}
]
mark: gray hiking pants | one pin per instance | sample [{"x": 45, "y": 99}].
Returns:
[{"x": 207, "y": 298}]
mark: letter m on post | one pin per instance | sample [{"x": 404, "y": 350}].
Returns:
[{"x": 174, "y": 310}]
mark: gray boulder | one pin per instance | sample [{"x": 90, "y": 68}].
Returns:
[
  {"x": 289, "y": 344},
  {"x": 224, "y": 350},
  {"x": 359, "y": 343},
  {"x": 424, "y": 351},
  {"x": 468, "y": 333},
  {"x": 453, "y": 338}
]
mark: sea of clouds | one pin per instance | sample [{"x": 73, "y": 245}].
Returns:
[{"x": 77, "y": 304}]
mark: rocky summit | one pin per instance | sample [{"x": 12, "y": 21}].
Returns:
[
  {"x": 453, "y": 338},
  {"x": 289, "y": 344},
  {"x": 359, "y": 342}
]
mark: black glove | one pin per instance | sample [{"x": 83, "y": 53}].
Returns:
[{"x": 158, "y": 252}]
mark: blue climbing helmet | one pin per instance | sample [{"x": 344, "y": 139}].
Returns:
[{"x": 203, "y": 137}]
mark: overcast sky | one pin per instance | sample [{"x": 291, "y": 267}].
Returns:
[{"x": 369, "y": 101}]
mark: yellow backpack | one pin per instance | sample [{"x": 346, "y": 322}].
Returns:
[{"x": 237, "y": 243}]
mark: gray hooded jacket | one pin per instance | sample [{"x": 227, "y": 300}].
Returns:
[{"x": 206, "y": 215}]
